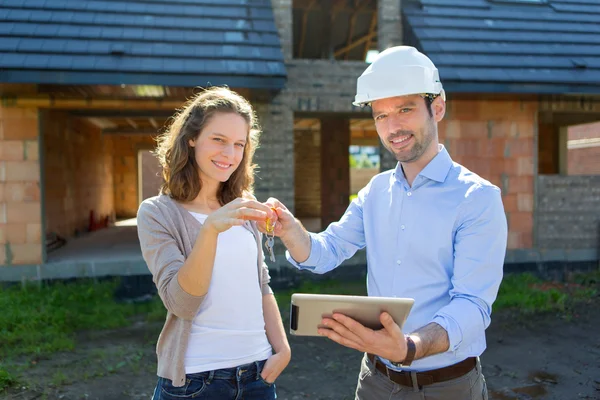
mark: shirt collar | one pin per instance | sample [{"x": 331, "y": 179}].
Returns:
[{"x": 436, "y": 170}]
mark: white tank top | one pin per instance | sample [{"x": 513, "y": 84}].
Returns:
[{"x": 229, "y": 329}]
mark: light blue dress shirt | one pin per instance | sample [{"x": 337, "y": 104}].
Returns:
[{"x": 441, "y": 241}]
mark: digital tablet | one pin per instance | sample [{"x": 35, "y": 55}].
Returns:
[{"x": 307, "y": 310}]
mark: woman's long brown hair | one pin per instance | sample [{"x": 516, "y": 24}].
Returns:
[{"x": 180, "y": 170}]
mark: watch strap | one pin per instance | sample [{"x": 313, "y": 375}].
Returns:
[{"x": 411, "y": 351}]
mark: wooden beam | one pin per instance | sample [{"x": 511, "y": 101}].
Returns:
[
  {"x": 357, "y": 42},
  {"x": 351, "y": 29},
  {"x": 303, "y": 32},
  {"x": 48, "y": 101},
  {"x": 153, "y": 123},
  {"x": 131, "y": 123},
  {"x": 128, "y": 131},
  {"x": 339, "y": 7},
  {"x": 325, "y": 38},
  {"x": 372, "y": 28}
]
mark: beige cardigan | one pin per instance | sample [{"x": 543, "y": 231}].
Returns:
[{"x": 167, "y": 234}]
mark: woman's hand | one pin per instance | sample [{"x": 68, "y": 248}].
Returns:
[
  {"x": 236, "y": 213},
  {"x": 275, "y": 365},
  {"x": 284, "y": 221}
]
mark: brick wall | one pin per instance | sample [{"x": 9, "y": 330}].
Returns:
[
  {"x": 77, "y": 174},
  {"x": 20, "y": 204},
  {"x": 275, "y": 156},
  {"x": 125, "y": 171},
  {"x": 568, "y": 212},
  {"x": 584, "y": 160},
  {"x": 478, "y": 135}
]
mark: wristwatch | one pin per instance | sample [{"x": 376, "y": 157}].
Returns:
[{"x": 411, "y": 350}]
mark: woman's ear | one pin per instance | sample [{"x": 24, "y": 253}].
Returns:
[{"x": 192, "y": 143}]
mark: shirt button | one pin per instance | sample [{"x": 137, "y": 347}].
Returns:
[
  {"x": 398, "y": 262},
  {"x": 402, "y": 227},
  {"x": 409, "y": 194}
]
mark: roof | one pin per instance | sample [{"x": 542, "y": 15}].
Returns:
[
  {"x": 143, "y": 42},
  {"x": 509, "y": 46}
]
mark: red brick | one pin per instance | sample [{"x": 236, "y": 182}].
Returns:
[
  {"x": 451, "y": 130},
  {"x": 463, "y": 110},
  {"x": 520, "y": 184},
  {"x": 499, "y": 110},
  {"x": 11, "y": 150},
  {"x": 524, "y": 166},
  {"x": 479, "y": 165},
  {"x": 502, "y": 129},
  {"x": 13, "y": 233},
  {"x": 510, "y": 203},
  {"x": 514, "y": 240},
  {"x": 34, "y": 233},
  {"x": 19, "y": 128},
  {"x": 520, "y": 222},
  {"x": 466, "y": 147},
  {"x": 32, "y": 150},
  {"x": 521, "y": 147},
  {"x": 525, "y": 202},
  {"x": 527, "y": 240},
  {"x": 473, "y": 129},
  {"x": 23, "y": 212},
  {"x": 493, "y": 148},
  {"x": 15, "y": 192},
  {"x": 16, "y": 171},
  {"x": 525, "y": 129},
  {"x": 585, "y": 131},
  {"x": 28, "y": 253},
  {"x": 583, "y": 161}
]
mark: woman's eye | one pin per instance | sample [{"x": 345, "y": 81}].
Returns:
[{"x": 242, "y": 145}]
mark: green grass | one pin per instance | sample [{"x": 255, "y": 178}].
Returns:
[
  {"x": 6, "y": 379},
  {"x": 36, "y": 321},
  {"x": 528, "y": 294},
  {"x": 323, "y": 287},
  {"x": 524, "y": 293}
]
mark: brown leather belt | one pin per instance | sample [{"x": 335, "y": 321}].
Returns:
[{"x": 426, "y": 377}]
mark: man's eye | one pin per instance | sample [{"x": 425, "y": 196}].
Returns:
[
  {"x": 405, "y": 110},
  {"x": 380, "y": 117}
]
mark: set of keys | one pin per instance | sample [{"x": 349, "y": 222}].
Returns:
[{"x": 270, "y": 243}]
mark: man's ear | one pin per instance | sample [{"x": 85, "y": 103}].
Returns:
[{"x": 439, "y": 108}]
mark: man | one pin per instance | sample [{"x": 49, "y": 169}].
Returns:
[{"x": 434, "y": 231}]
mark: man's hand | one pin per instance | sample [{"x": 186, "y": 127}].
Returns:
[
  {"x": 388, "y": 342},
  {"x": 275, "y": 366},
  {"x": 285, "y": 219}
]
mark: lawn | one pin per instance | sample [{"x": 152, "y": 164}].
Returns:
[{"x": 37, "y": 321}]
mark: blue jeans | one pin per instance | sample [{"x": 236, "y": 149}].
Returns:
[{"x": 239, "y": 383}]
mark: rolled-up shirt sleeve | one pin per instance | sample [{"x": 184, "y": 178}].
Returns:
[{"x": 479, "y": 251}]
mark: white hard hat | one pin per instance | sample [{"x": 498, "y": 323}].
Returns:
[{"x": 398, "y": 71}]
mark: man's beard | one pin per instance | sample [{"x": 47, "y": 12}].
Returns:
[{"x": 419, "y": 146}]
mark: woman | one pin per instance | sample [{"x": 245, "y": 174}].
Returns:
[{"x": 223, "y": 336}]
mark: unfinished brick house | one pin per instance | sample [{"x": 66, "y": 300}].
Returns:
[{"x": 85, "y": 88}]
